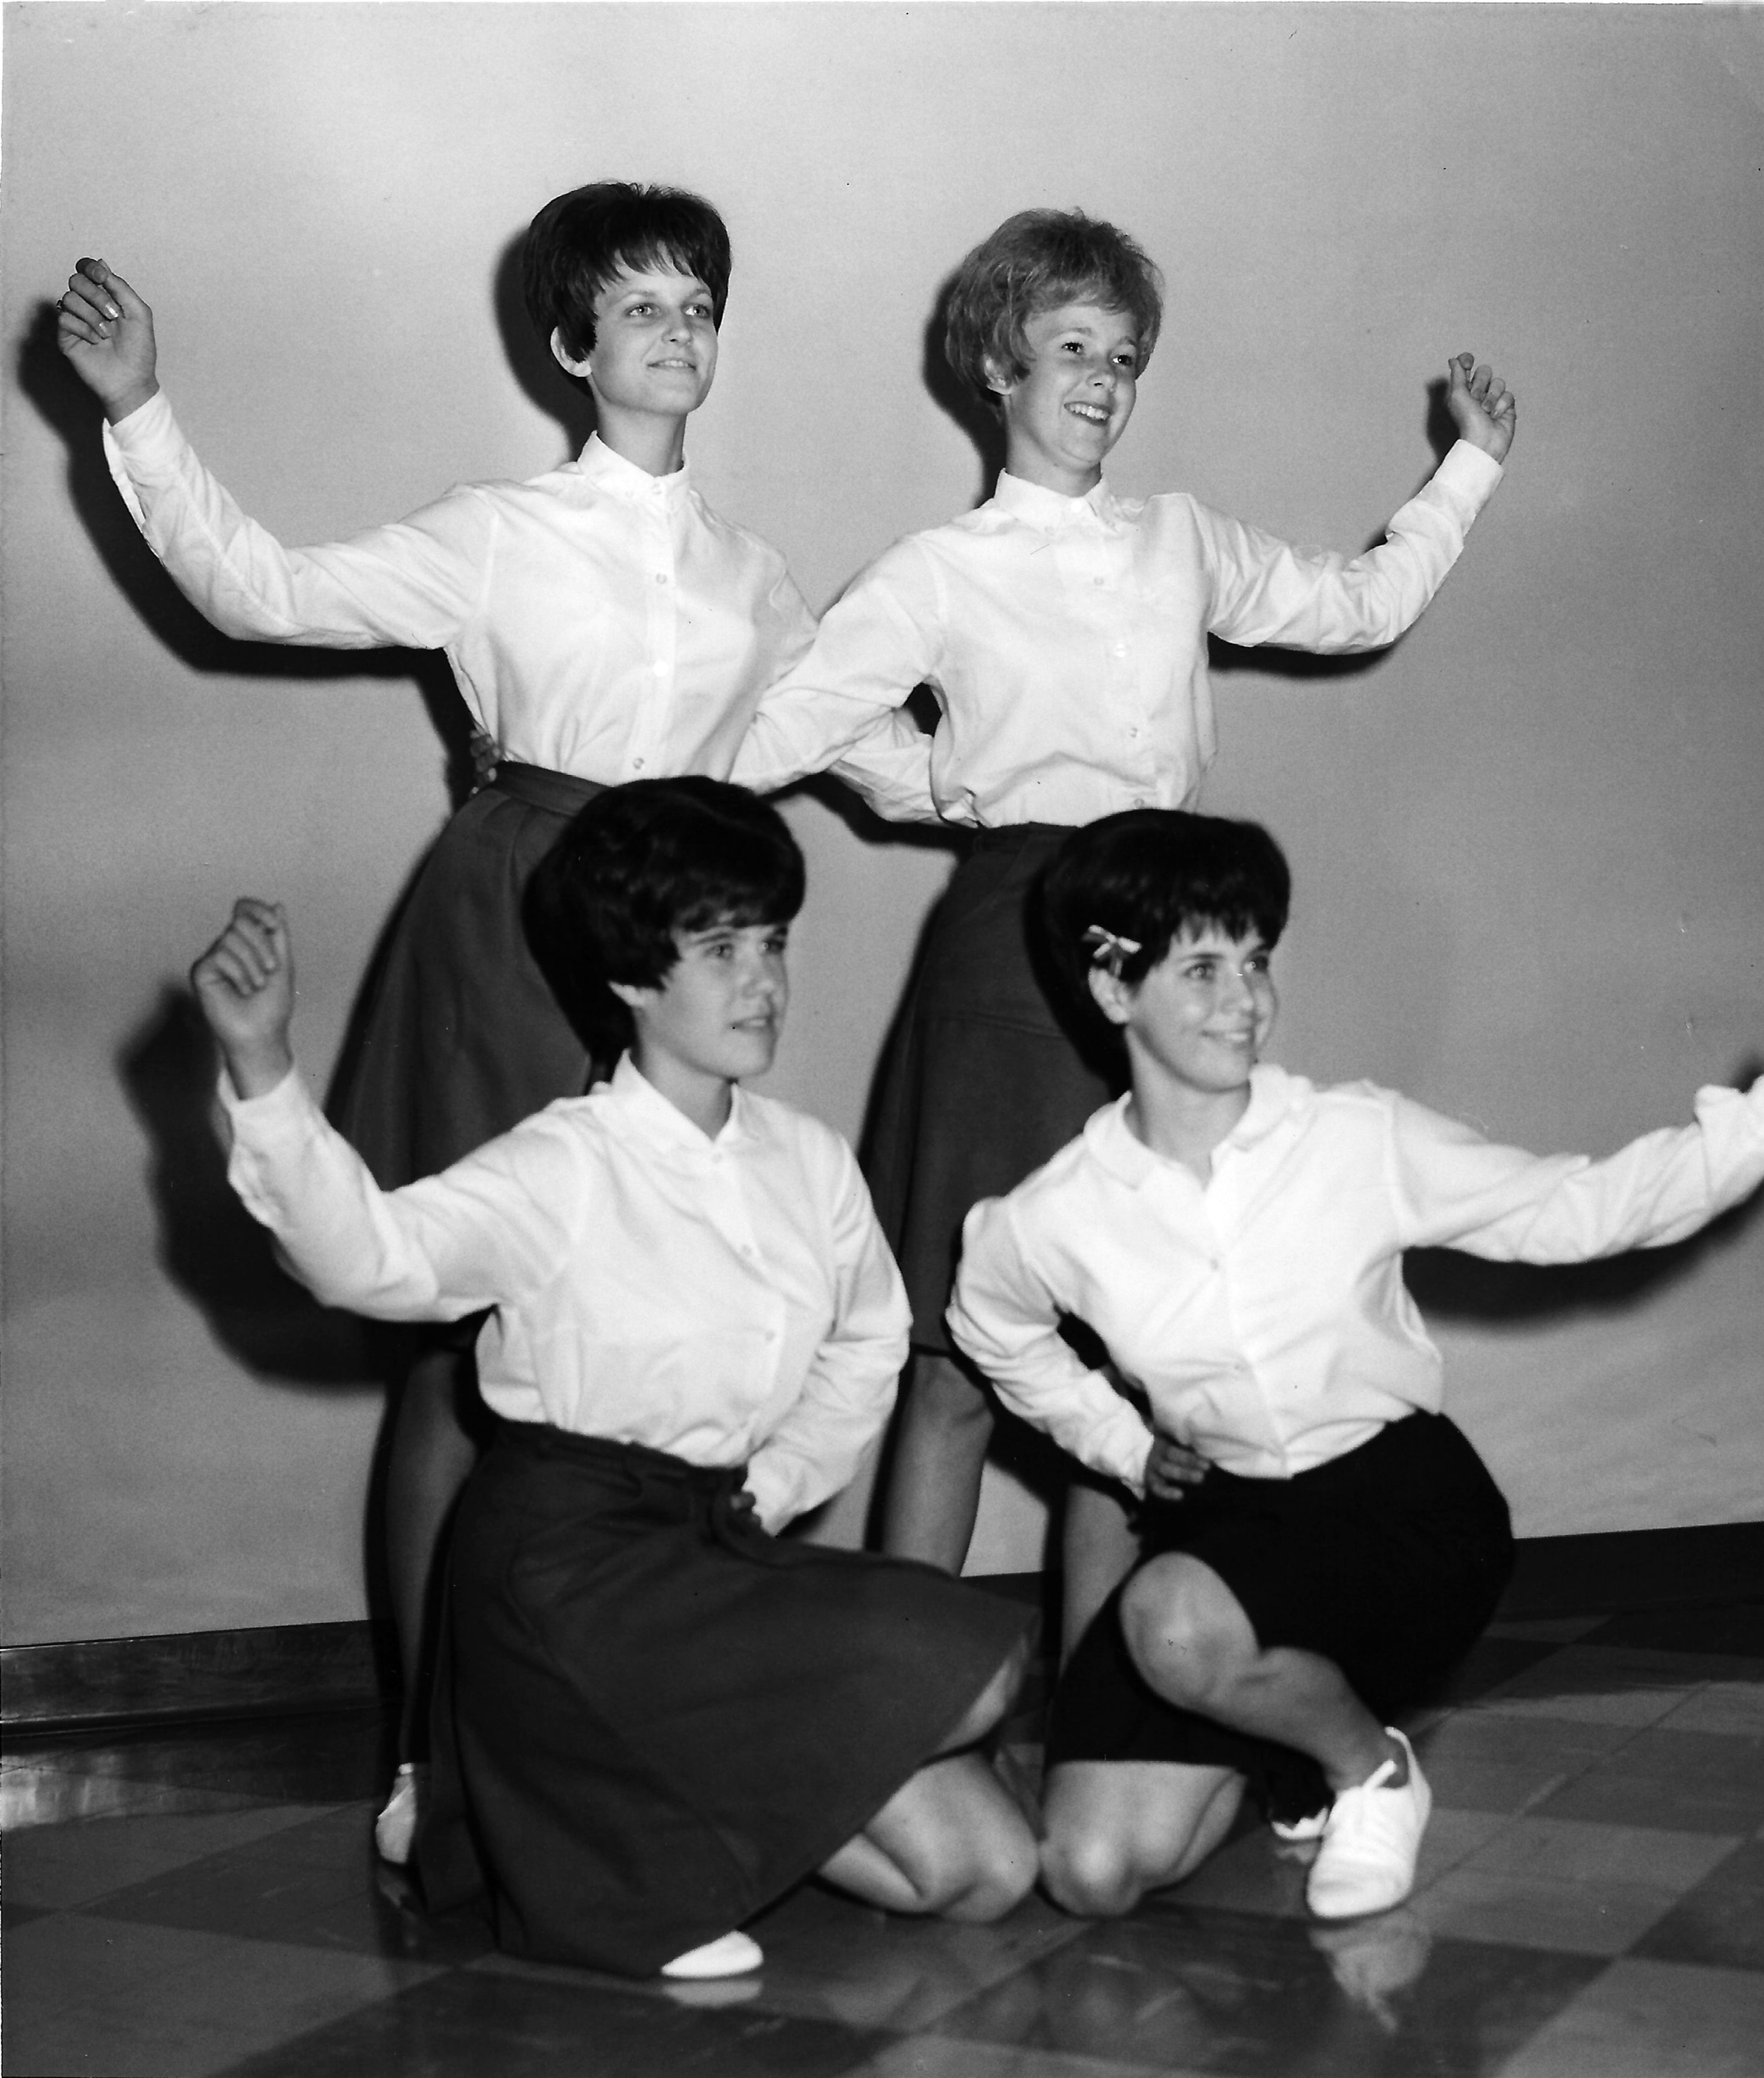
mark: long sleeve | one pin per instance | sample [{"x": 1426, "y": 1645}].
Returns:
[
  {"x": 873, "y": 647},
  {"x": 413, "y": 583},
  {"x": 1453, "y": 1188},
  {"x": 1265, "y": 591},
  {"x": 815, "y": 1450},
  {"x": 494, "y": 1225},
  {"x": 1005, "y": 1316}
]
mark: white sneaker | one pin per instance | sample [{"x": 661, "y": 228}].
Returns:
[
  {"x": 729, "y": 1956},
  {"x": 394, "y": 1830},
  {"x": 1366, "y": 1863}
]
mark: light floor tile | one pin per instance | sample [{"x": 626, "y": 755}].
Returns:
[
  {"x": 1585, "y": 1851},
  {"x": 1736, "y": 1708},
  {"x": 47, "y": 1795},
  {"x": 61, "y": 1866},
  {"x": 1555, "y": 1915},
  {"x": 929, "y": 2057},
  {"x": 1652, "y": 2020},
  {"x": 90, "y": 1995}
]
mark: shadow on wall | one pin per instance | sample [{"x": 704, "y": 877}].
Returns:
[
  {"x": 1449, "y": 1286},
  {"x": 1303, "y": 666},
  {"x": 68, "y": 406},
  {"x": 984, "y": 427},
  {"x": 209, "y": 1246},
  {"x": 560, "y": 396}
]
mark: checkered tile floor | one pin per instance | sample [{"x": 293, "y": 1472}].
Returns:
[{"x": 1591, "y": 1906}]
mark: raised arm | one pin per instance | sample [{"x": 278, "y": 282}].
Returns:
[
  {"x": 815, "y": 1449},
  {"x": 413, "y": 583},
  {"x": 1005, "y": 1318},
  {"x": 485, "y": 1230},
  {"x": 1454, "y": 1189},
  {"x": 1265, "y": 591}
]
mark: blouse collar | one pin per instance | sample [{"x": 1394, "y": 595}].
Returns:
[
  {"x": 1049, "y": 511},
  {"x": 1273, "y": 1094},
  {"x": 664, "y": 1124},
  {"x": 623, "y": 480}
]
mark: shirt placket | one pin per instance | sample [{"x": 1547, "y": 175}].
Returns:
[
  {"x": 727, "y": 1206},
  {"x": 1096, "y": 564},
  {"x": 1219, "y": 1211},
  {"x": 659, "y": 578}
]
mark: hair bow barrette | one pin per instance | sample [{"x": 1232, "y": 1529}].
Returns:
[{"x": 1109, "y": 948}]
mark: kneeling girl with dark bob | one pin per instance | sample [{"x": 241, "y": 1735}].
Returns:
[
  {"x": 654, "y": 1716},
  {"x": 1321, "y": 1543}
]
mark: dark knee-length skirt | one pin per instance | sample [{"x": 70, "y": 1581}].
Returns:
[
  {"x": 461, "y": 1037},
  {"x": 986, "y": 1076},
  {"x": 1389, "y": 1561},
  {"x": 653, "y": 1718}
]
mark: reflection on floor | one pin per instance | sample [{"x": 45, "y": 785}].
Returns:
[{"x": 1591, "y": 1906}]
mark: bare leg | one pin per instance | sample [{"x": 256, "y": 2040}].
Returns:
[
  {"x": 1119, "y": 1828},
  {"x": 934, "y": 1486},
  {"x": 951, "y": 1840},
  {"x": 1099, "y": 1549},
  {"x": 1189, "y": 1638},
  {"x": 431, "y": 1457}
]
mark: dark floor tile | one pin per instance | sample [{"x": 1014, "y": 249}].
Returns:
[
  {"x": 62, "y": 1866},
  {"x": 315, "y": 1885},
  {"x": 1213, "y": 1991},
  {"x": 87, "y": 1995},
  {"x": 829, "y": 1957},
  {"x": 1732, "y": 1627},
  {"x": 1721, "y": 1922},
  {"x": 1697, "y": 1782},
  {"x": 471, "y": 2023},
  {"x": 322, "y": 1759},
  {"x": 1489, "y": 1663},
  {"x": 1647, "y": 2019}
]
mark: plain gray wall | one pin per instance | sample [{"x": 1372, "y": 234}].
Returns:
[{"x": 1527, "y": 842}]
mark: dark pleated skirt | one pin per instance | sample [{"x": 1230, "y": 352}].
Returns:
[
  {"x": 653, "y": 1718},
  {"x": 985, "y": 1078},
  {"x": 461, "y": 1037},
  {"x": 1389, "y": 1561}
]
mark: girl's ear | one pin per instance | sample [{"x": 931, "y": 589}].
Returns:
[
  {"x": 1111, "y": 996},
  {"x": 570, "y": 363}
]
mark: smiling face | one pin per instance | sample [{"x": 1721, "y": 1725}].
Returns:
[
  {"x": 1197, "y": 1023},
  {"x": 715, "y": 1018},
  {"x": 1064, "y": 415},
  {"x": 655, "y": 347}
]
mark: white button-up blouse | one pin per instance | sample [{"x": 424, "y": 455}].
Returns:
[{"x": 730, "y": 1300}]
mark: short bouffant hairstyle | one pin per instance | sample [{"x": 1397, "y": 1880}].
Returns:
[
  {"x": 640, "y": 864},
  {"x": 1147, "y": 877},
  {"x": 579, "y": 242},
  {"x": 1036, "y": 261}
]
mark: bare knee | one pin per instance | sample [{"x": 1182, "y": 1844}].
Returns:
[
  {"x": 992, "y": 1877},
  {"x": 1189, "y": 1641},
  {"x": 1093, "y": 1877}
]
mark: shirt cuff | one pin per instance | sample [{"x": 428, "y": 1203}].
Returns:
[
  {"x": 287, "y": 1104},
  {"x": 1469, "y": 474}
]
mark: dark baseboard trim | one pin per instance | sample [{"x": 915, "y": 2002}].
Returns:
[
  {"x": 283, "y": 1669},
  {"x": 274, "y": 1669},
  {"x": 1610, "y": 1571}
]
